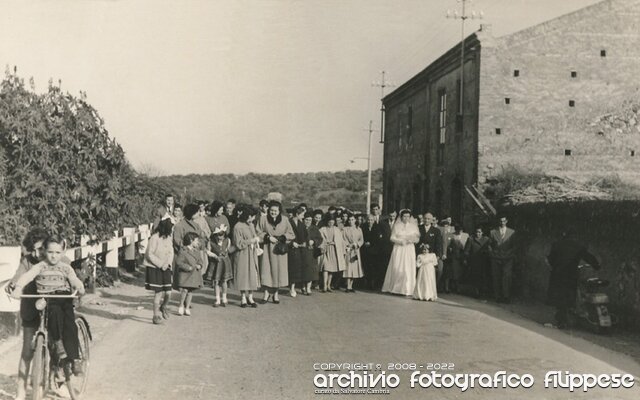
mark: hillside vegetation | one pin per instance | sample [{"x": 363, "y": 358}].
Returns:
[{"x": 319, "y": 189}]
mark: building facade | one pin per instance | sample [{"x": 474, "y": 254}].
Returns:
[{"x": 529, "y": 100}]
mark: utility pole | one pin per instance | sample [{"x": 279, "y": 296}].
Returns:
[
  {"x": 382, "y": 84},
  {"x": 463, "y": 16},
  {"x": 371, "y": 130}
]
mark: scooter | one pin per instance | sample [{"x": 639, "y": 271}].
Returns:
[{"x": 592, "y": 304}]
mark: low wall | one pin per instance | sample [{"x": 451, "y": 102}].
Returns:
[{"x": 610, "y": 229}]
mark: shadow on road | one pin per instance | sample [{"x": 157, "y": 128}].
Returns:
[{"x": 533, "y": 320}]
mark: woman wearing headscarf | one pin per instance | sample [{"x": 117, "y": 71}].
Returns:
[{"x": 275, "y": 234}]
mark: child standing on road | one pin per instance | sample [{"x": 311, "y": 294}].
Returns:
[
  {"x": 54, "y": 277},
  {"x": 426, "y": 281},
  {"x": 222, "y": 269},
  {"x": 189, "y": 264}
]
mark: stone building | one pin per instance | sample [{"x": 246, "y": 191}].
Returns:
[{"x": 530, "y": 100}]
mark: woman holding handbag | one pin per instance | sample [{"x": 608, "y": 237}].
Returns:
[{"x": 275, "y": 234}]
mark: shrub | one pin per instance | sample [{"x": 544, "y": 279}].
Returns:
[{"x": 61, "y": 170}]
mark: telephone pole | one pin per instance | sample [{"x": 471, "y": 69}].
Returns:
[
  {"x": 382, "y": 84},
  {"x": 371, "y": 130},
  {"x": 463, "y": 16}
]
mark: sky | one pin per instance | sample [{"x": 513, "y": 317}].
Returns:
[{"x": 237, "y": 86}]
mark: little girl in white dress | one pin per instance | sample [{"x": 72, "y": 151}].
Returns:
[{"x": 426, "y": 281}]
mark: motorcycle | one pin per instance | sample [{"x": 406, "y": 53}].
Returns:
[{"x": 592, "y": 304}]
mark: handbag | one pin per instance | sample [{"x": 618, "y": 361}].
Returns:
[
  {"x": 280, "y": 248},
  {"x": 317, "y": 252}
]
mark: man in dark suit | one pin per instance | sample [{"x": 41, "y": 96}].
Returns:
[
  {"x": 503, "y": 252},
  {"x": 386, "y": 246},
  {"x": 165, "y": 210},
  {"x": 371, "y": 251},
  {"x": 564, "y": 258},
  {"x": 431, "y": 235}
]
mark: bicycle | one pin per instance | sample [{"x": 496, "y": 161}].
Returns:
[{"x": 45, "y": 371}]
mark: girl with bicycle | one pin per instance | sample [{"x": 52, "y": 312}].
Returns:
[{"x": 52, "y": 276}]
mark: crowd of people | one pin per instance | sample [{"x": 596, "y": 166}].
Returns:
[{"x": 267, "y": 248}]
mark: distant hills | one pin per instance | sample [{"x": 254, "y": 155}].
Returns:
[{"x": 317, "y": 189}]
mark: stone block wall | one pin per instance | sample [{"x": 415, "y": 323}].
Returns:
[{"x": 569, "y": 71}]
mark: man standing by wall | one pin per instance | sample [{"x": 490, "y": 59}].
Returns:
[
  {"x": 564, "y": 257},
  {"x": 503, "y": 252}
]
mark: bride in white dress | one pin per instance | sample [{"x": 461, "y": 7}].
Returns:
[{"x": 401, "y": 272}]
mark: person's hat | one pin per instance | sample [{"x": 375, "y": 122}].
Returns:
[{"x": 219, "y": 229}]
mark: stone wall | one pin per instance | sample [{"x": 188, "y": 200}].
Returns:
[
  {"x": 609, "y": 229},
  {"x": 557, "y": 63}
]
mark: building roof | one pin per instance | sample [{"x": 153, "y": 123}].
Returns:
[{"x": 484, "y": 35}]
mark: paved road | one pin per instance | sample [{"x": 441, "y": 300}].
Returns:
[{"x": 269, "y": 352}]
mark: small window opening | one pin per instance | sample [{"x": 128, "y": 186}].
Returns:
[
  {"x": 632, "y": 153},
  {"x": 516, "y": 72},
  {"x": 574, "y": 74},
  {"x": 507, "y": 100},
  {"x": 572, "y": 103},
  {"x": 498, "y": 131},
  {"x": 603, "y": 53},
  {"x": 567, "y": 152}
]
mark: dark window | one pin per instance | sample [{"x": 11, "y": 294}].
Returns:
[
  {"x": 572, "y": 103},
  {"x": 498, "y": 131},
  {"x": 516, "y": 72},
  {"x": 459, "y": 96},
  {"x": 632, "y": 153},
  {"x": 507, "y": 100},
  {"x": 574, "y": 74},
  {"x": 442, "y": 123},
  {"x": 567, "y": 152},
  {"x": 603, "y": 53},
  {"x": 409, "y": 123}
]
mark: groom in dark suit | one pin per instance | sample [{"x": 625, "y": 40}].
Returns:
[
  {"x": 503, "y": 252},
  {"x": 385, "y": 225}
]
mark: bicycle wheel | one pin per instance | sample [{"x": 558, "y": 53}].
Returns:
[
  {"x": 38, "y": 372},
  {"x": 79, "y": 382}
]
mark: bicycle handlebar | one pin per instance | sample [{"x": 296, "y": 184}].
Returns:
[{"x": 50, "y": 296}]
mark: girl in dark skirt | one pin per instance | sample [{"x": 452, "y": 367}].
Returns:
[
  {"x": 158, "y": 260},
  {"x": 189, "y": 265},
  {"x": 220, "y": 264}
]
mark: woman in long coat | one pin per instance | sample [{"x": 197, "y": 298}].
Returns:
[
  {"x": 479, "y": 268},
  {"x": 245, "y": 262},
  {"x": 181, "y": 229},
  {"x": 297, "y": 249},
  {"x": 310, "y": 267},
  {"x": 333, "y": 259},
  {"x": 275, "y": 234},
  {"x": 353, "y": 241}
]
